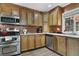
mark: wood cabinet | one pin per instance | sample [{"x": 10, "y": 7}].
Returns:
[
  {"x": 61, "y": 45},
  {"x": 6, "y": 9},
  {"x": 24, "y": 17},
  {"x": 54, "y": 43},
  {"x": 0, "y": 8},
  {"x": 36, "y": 15},
  {"x": 27, "y": 16},
  {"x": 9, "y": 9},
  {"x": 40, "y": 19},
  {"x": 24, "y": 43},
  {"x": 39, "y": 41},
  {"x": 55, "y": 16},
  {"x": 31, "y": 41},
  {"x": 72, "y": 46},
  {"x": 50, "y": 17},
  {"x": 30, "y": 15},
  {"x": 15, "y": 10},
  {"x": 42, "y": 40}
]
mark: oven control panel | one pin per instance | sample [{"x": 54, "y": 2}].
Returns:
[{"x": 9, "y": 39}]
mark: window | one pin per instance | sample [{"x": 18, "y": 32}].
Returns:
[{"x": 70, "y": 21}]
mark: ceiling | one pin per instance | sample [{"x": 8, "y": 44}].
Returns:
[{"x": 42, "y": 6}]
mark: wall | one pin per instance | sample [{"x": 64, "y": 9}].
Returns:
[{"x": 30, "y": 29}]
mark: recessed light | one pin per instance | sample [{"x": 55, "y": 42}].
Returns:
[{"x": 49, "y": 5}]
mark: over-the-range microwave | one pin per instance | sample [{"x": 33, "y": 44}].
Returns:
[{"x": 9, "y": 20}]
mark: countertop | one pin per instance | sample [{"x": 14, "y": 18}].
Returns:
[{"x": 57, "y": 34}]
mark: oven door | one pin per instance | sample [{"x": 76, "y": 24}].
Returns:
[{"x": 9, "y": 49}]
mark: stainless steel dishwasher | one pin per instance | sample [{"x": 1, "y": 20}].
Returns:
[{"x": 49, "y": 41}]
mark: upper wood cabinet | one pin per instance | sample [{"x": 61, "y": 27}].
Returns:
[
  {"x": 24, "y": 17},
  {"x": 15, "y": 10},
  {"x": 61, "y": 43},
  {"x": 6, "y": 9},
  {"x": 29, "y": 16},
  {"x": 38, "y": 19},
  {"x": 55, "y": 16},
  {"x": 0, "y": 8},
  {"x": 9, "y": 9}
]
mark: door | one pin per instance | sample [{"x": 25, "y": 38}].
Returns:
[
  {"x": 37, "y": 41},
  {"x": 29, "y": 15},
  {"x": 72, "y": 46},
  {"x": 61, "y": 43},
  {"x": 54, "y": 43},
  {"x": 23, "y": 17},
  {"x": 6, "y": 9},
  {"x": 9, "y": 49},
  {"x": 42, "y": 40},
  {"x": 24, "y": 43},
  {"x": 15, "y": 11},
  {"x": 31, "y": 42},
  {"x": 40, "y": 19}
]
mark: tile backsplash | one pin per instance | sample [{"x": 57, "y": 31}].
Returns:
[{"x": 30, "y": 29}]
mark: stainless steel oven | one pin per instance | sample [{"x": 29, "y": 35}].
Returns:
[{"x": 10, "y": 44}]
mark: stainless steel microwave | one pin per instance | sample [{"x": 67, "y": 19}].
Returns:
[{"x": 9, "y": 20}]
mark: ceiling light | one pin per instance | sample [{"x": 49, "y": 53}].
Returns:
[{"x": 49, "y": 5}]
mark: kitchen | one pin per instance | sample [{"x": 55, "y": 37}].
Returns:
[{"x": 27, "y": 29}]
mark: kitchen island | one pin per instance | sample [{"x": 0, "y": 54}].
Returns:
[{"x": 64, "y": 44}]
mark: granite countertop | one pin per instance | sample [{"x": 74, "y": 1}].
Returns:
[{"x": 57, "y": 34}]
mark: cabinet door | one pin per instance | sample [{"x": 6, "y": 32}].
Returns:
[
  {"x": 15, "y": 11},
  {"x": 0, "y": 8},
  {"x": 29, "y": 15},
  {"x": 42, "y": 40},
  {"x": 23, "y": 17},
  {"x": 38, "y": 41},
  {"x": 72, "y": 47},
  {"x": 36, "y": 15},
  {"x": 31, "y": 43},
  {"x": 54, "y": 43},
  {"x": 59, "y": 16},
  {"x": 24, "y": 43},
  {"x": 6, "y": 9},
  {"x": 50, "y": 19},
  {"x": 61, "y": 43},
  {"x": 40, "y": 20},
  {"x": 55, "y": 17}
]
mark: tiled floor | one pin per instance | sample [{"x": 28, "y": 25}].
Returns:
[{"x": 40, "y": 52}]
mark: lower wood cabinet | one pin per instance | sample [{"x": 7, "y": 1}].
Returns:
[
  {"x": 42, "y": 40},
  {"x": 72, "y": 47},
  {"x": 24, "y": 43},
  {"x": 39, "y": 41},
  {"x": 61, "y": 45},
  {"x": 31, "y": 41},
  {"x": 54, "y": 43}
]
